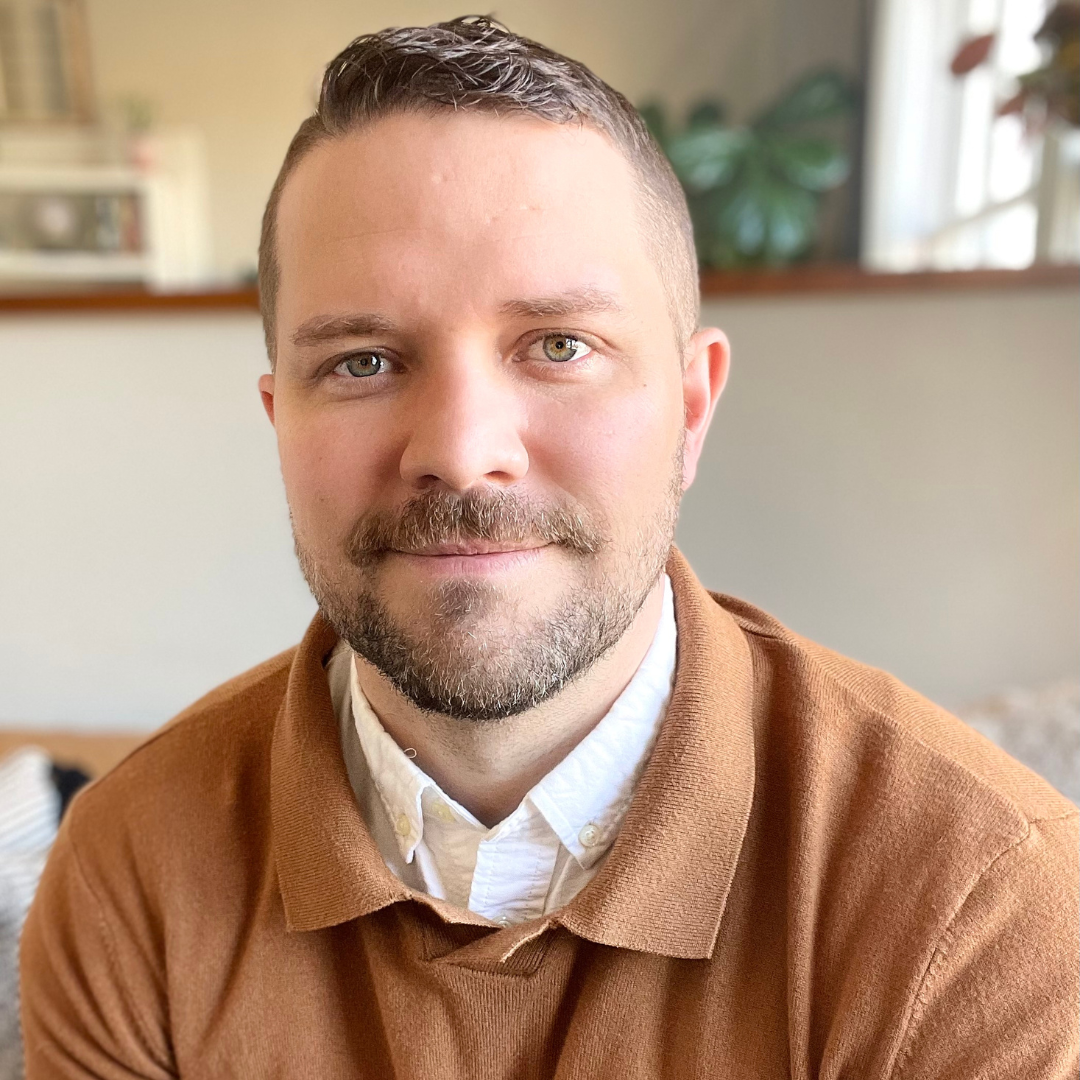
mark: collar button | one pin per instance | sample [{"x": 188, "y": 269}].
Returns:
[{"x": 589, "y": 836}]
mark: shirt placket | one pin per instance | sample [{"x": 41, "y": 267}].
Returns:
[
  {"x": 450, "y": 844},
  {"x": 514, "y": 867}
]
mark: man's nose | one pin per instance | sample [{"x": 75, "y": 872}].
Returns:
[{"x": 466, "y": 423}]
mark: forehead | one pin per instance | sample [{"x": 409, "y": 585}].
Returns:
[{"x": 459, "y": 212}]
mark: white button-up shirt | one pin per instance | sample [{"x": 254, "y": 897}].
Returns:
[{"x": 551, "y": 846}]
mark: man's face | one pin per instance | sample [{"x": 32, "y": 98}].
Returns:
[{"x": 479, "y": 401}]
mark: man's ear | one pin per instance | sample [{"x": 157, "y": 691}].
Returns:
[
  {"x": 708, "y": 356},
  {"x": 266, "y": 391}
]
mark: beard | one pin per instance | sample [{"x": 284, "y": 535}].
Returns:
[{"x": 475, "y": 651}]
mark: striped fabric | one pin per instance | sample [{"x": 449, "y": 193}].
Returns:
[
  {"x": 29, "y": 803},
  {"x": 29, "y": 814}
]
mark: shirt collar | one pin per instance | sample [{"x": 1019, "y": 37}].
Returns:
[
  {"x": 328, "y": 865},
  {"x": 400, "y": 783},
  {"x": 665, "y": 883},
  {"x": 583, "y": 799}
]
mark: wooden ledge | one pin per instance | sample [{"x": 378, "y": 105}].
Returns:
[
  {"x": 94, "y": 752},
  {"x": 130, "y": 300},
  {"x": 844, "y": 278},
  {"x": 833, "y": 278}
]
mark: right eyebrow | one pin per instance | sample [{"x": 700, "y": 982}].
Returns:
[
  {"x": 323, "y": 328},
  {"x": 584, "y": 301}
]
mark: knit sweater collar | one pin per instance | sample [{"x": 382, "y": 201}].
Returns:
[{"x": 666, "y": 881}]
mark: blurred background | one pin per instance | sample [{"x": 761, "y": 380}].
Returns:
[
  {"x": 886, "y": 200},
  {"x": 885, "y": 195}
]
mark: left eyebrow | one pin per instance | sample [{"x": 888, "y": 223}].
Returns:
[
  {"x": 586, "y": 301},
  {"x": 323, "y": 328}
]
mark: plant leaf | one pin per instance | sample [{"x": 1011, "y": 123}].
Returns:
[
  {"x": 745, "y": 221},
  {"x": 706, "y": 158},
  {"x": 972, "y": 53},
  {"x": 792, "y": 217},
  {"x": 706, "y": 114},
  {"x": 813, "y": 163},
  {"x": 1015, "y": 104},
  {"x": 765, "y": 219},
  {"x": 820, "y": 95}
]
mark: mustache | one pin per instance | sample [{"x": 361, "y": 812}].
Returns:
[{"x": 444, "y": 517}]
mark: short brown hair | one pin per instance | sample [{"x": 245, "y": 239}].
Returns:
[{"x": 476, "y": 63}]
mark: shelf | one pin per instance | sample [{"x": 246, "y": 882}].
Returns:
[
  {"x": 129, "y": 299},
  {"x": 849, "y": 278},
  {"x": 836, "y": 279},
  {"x": 66, "y": 266},
  {"x": 88, "y": 179}
]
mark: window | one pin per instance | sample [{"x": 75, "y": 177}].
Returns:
[{"x": 951, "y": 184}]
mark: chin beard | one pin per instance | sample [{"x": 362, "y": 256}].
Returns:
[
  {"x": 476, "y": 653},
  {"x": 460, "y": 665}
]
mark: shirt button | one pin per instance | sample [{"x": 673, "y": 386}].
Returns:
[
  {"x": 502, "y": 920},
  {"x": 589, "y": 835},
  {"x": 443, "y": 812},
  {"x": 402, "y": 825}
]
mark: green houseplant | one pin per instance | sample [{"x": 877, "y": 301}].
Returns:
[{"x": 754, "y": 190}]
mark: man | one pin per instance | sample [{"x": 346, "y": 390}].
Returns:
[{"x": 527, "y": 801}]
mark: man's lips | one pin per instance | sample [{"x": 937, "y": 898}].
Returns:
[
  {"x": 472, "y": 547},
  {"x": 470, "y": 558}
]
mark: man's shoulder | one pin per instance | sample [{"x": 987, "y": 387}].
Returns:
[
  {"x": 196, "y": 763},
  {"x": 167, "y": 852},
  {"x": 252, "y": 692},
  {"x": 879, "y": 724},
  {"x": 912, "y": 837},
  {"x": 239, "y": 708}
]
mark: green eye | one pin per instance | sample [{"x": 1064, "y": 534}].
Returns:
[
  {"x": 561, "y": 347},
  {"x": 363, "y": 365}
]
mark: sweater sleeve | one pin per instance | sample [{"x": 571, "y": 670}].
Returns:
[
  {"x": 998, "y": 1000},
  {"x": 93, "y": 1003}
]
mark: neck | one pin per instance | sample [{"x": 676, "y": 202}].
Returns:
[{"x": 489, "y": 767}]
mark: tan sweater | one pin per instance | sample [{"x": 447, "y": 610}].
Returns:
[{"x": 821, "y": 876}]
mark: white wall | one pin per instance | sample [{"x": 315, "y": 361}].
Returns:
[
  {"x": 145, "y": 552},
  {"x": 898, "y": 477},
  {"x": 895, "y": 476}
]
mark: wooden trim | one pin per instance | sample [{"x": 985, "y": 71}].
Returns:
[
  {"x": 806, "y": 279},
  {"x": 131, "y": 300},
  {"x": 839, "y": 278},
  {"x": 94, "y": 752}
]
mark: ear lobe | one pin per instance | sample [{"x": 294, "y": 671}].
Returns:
[
  {"x": 708, "y": 361},
  {"x": 266, "y": 392}
]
